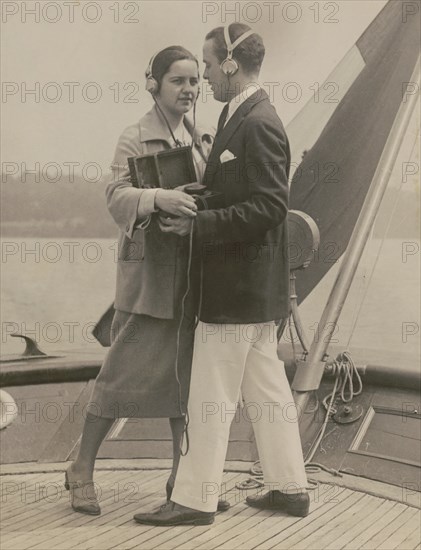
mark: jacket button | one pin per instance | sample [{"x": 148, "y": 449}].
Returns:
[{"x": 127, "y": 227}]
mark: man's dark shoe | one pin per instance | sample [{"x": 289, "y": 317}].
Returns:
[
  {"x": 172, "y": 513},
  {"x": 294, "y": 504},
  {"x": 223, "y": 505}
]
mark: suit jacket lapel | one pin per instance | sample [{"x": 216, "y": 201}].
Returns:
[{"x": 224, "y": 134}]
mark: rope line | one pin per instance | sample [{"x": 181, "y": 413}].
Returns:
[{"x": 345, "y": 389}]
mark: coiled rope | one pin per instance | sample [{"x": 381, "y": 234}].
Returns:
[{"x": 344, "y": 370}]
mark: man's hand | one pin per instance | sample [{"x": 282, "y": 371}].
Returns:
[
  {"x": 180, "y": 226},
  {"x": 175, "y": 202}
]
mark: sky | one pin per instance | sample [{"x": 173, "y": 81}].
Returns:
[{"x": 85, "y": 62}]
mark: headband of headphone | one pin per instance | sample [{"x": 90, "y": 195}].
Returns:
[
  {"x": 229, "y": 66},
  {"x": 152, "y": 85}
]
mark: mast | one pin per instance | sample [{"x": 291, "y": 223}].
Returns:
[{"x": 310, "y": 372}]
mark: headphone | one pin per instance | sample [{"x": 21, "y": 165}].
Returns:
[
  {"x": 152, "y": 85},
  {"x": 229, "y": 66}
]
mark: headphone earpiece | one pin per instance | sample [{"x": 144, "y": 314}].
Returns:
[
  {"x": 229, "y": 66},
  {"x": 152, "y": 85}
]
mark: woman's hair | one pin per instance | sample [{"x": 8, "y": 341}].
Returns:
[
  {"x": 161, "y": 63},
  {"x": 249, "y": 53}
]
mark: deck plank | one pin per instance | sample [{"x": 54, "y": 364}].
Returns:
[
  {"x": 46, "y": 518},
  {"x": 114, "y": 512},
  {"x": 331, "y": 526},
  {"x": 14, "y": 499},
  {"x": 39, "y": 496},
  {"x": 309, "y": 534},
  {"x": 286, "y": 537},
  {"x": 369, "y": 526},
  {"x": 43, "y": 502},
  {"x": 130, "y": 533},
  {"x": 135, "y": 534},
  {"x": 173, "y": 538},
  {"x": 119, "y": 511},
  {"x": 356, "y": 522},
  {"x": 375, "y": 528},
  {"x": 240, "y": 518},
  {"x": 269, "y": 527},
  {"x": 402, "y": 533},
  {"x": 64, "y": 515},
  {"x": 170, "y": 534},
  {"x": 339, "y": 518},
  {"x": 380, "y": 539},
  {"x": 412, "y": 540}
]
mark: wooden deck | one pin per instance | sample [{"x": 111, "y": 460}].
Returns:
[{"x": 36, "y": 515}]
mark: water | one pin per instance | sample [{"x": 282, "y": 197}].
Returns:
[{"x": 56, "y": 289}]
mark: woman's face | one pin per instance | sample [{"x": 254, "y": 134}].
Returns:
[{"x": 179, "y": 87}]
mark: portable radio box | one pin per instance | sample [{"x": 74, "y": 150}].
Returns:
[{"x": 167, "y": 169}]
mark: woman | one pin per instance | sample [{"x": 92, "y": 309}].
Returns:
[{"x": 147, "y": 370}]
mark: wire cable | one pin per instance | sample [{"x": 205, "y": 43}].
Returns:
[
  {"x": 176, "y": 141},
  {"x": 185, "y": 434}
]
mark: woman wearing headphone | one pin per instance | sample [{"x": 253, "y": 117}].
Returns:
[{"x": 146, "y": 372}]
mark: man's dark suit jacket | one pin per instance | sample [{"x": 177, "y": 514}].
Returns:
[{"x": 243, "y": 246}]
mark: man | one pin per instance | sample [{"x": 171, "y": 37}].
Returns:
[{"x": 243, "y": 288}]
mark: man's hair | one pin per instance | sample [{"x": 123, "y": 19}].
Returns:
[
  {"x": 249, "y": 53},
  {"x": 166, "y": 57}
]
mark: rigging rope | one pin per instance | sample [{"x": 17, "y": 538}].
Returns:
[{"x": 344, "y": 370}]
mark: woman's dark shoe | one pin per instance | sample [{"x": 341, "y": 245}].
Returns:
[
  {"x": 223, "y": 505},
  {"x": 297, "y": 504},
  {"x": 82, "y": 494}
]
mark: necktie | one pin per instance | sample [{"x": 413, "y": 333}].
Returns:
[{"x": 222, "y": 118}]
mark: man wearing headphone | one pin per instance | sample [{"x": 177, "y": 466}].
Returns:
[{"x": 244, "y": 288}]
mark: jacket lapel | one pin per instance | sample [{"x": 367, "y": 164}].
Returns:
[{"x": 153, "y": 128}]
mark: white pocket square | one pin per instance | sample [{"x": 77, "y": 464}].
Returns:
[{"x": 226, "y": 156}]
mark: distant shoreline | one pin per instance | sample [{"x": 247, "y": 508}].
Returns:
[{"x": 77, "y": 210}]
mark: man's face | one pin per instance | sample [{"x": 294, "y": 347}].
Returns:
[{"x": 213, "y": 74}]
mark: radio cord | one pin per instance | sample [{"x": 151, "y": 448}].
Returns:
[
  {"x": 185, "y": 433},
  {"x": 177, "y": 141},
  {"x": 194, "y": 124}
]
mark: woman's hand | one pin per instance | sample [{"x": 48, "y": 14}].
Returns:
[{"x": 175, "y": 202}]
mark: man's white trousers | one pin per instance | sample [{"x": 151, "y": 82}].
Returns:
[{"x": 230, "y": 361}]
